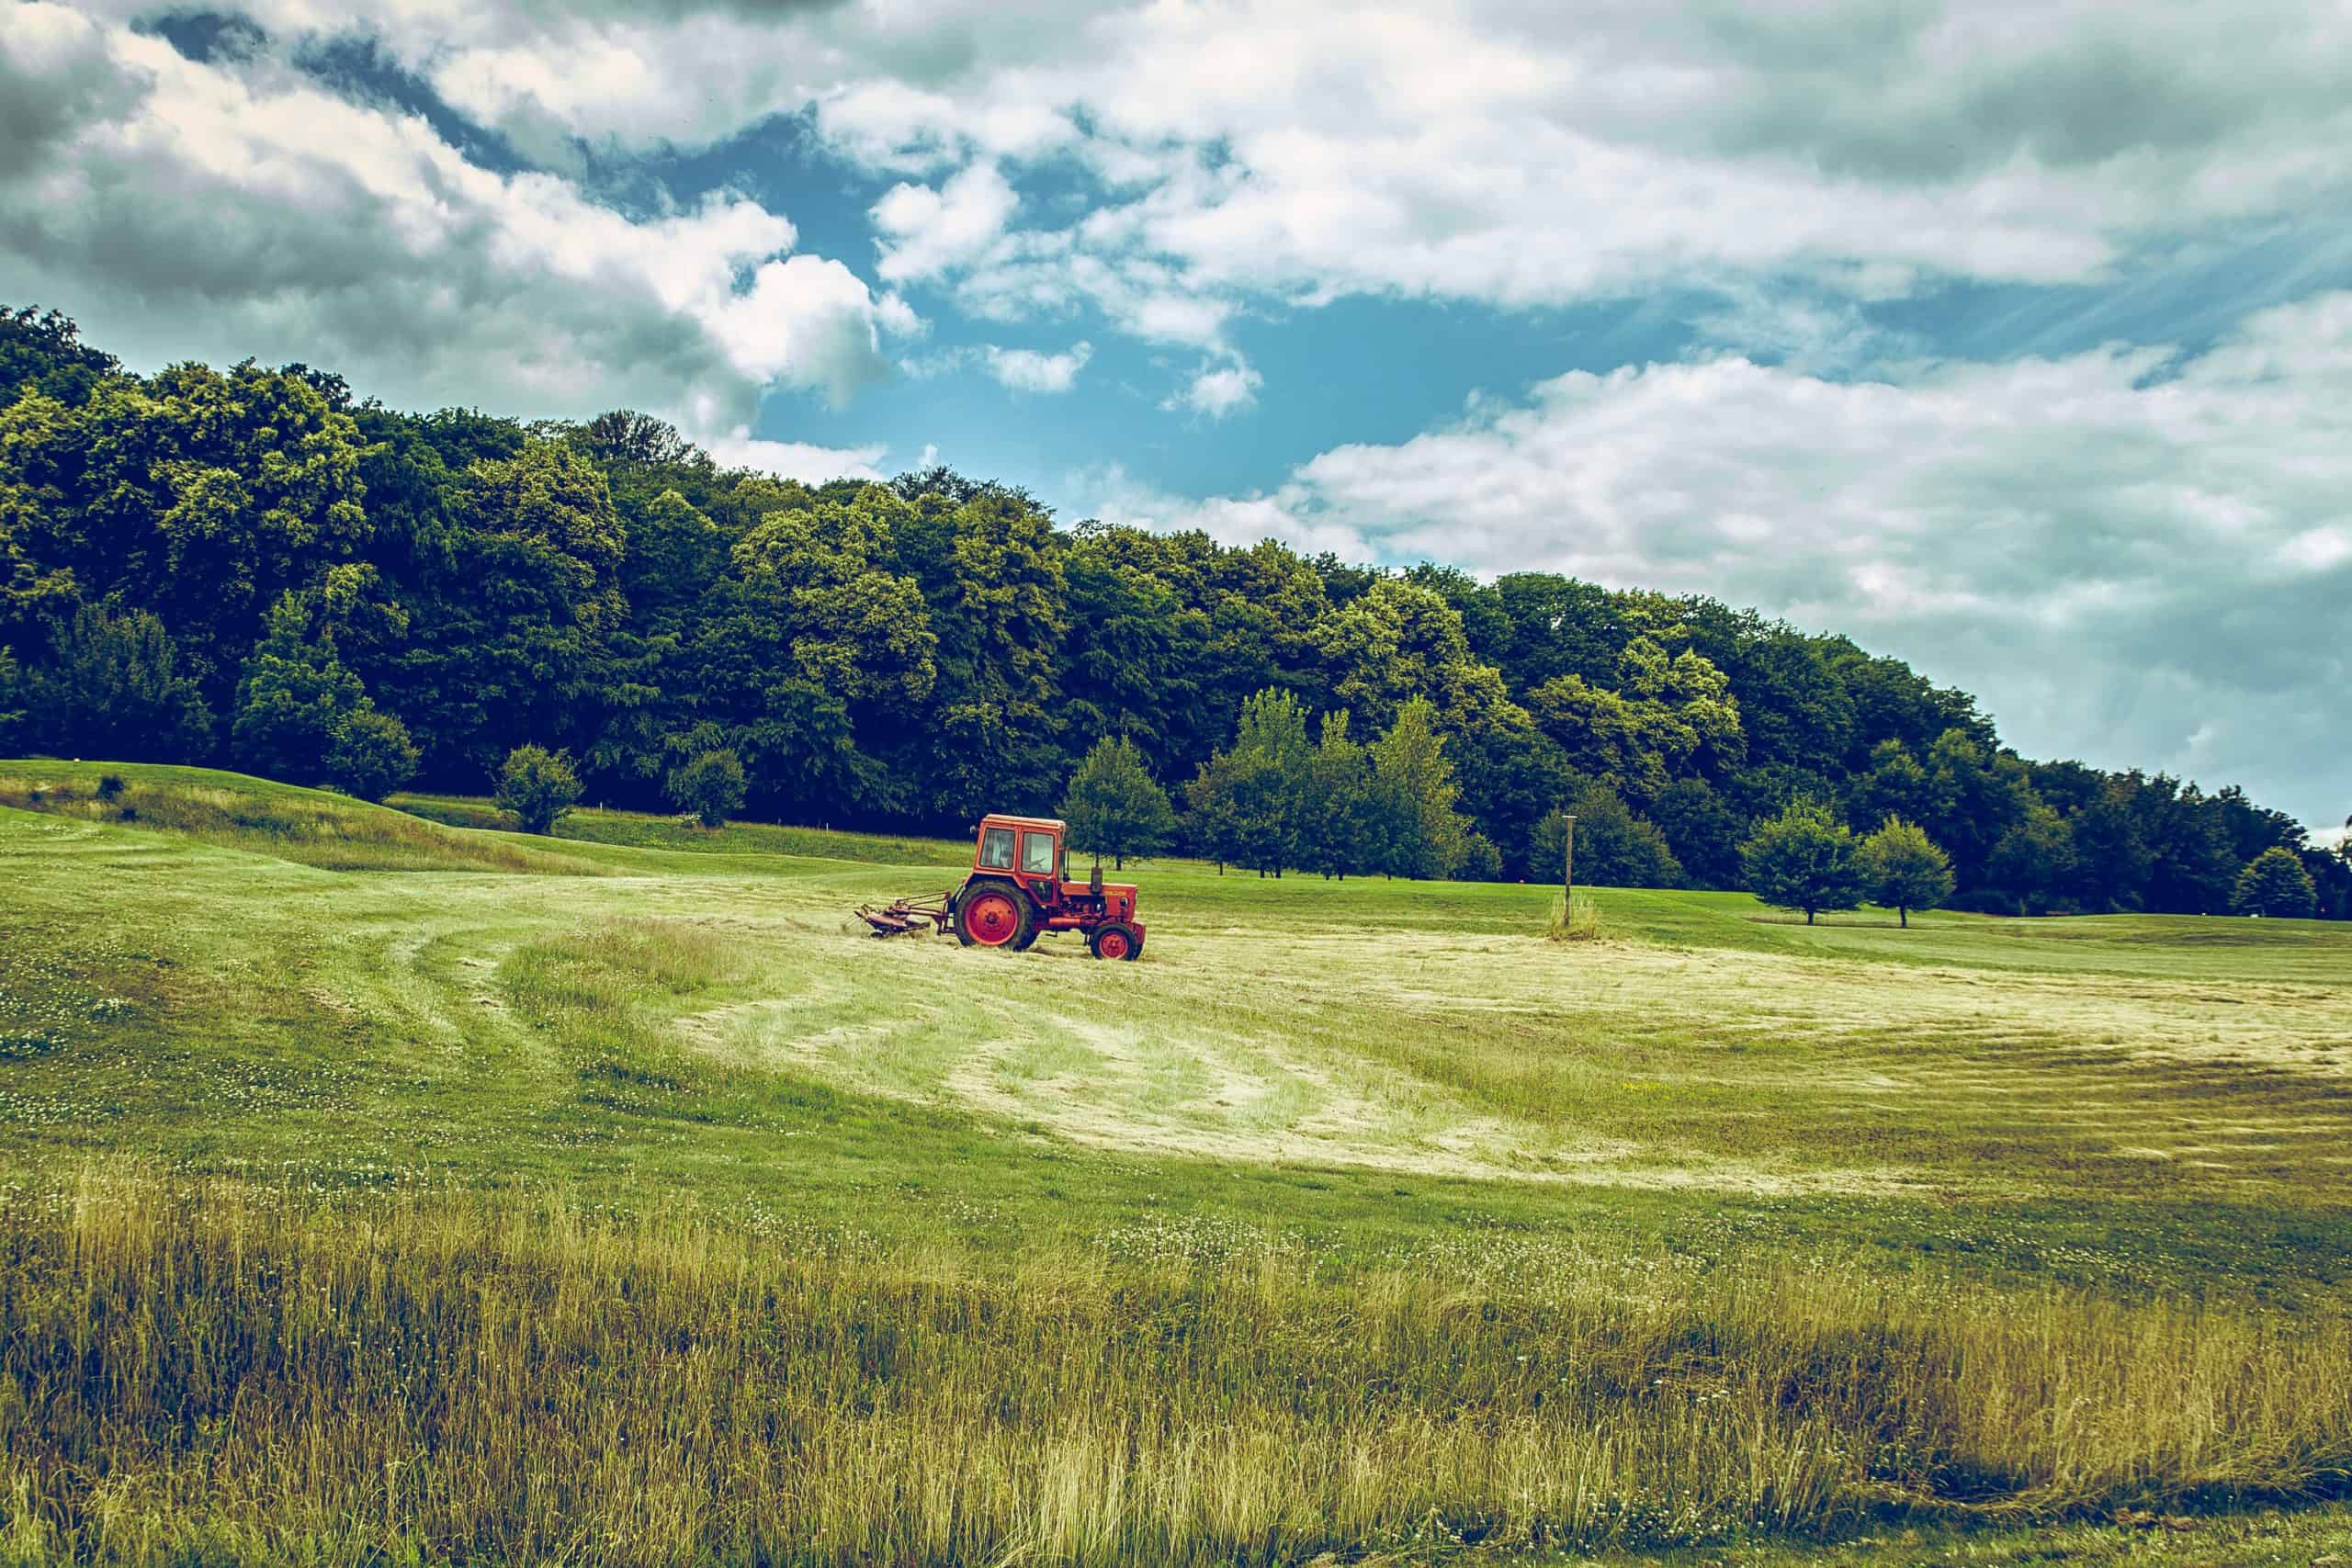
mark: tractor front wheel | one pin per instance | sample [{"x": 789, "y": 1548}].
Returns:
[
  {"x": 1116, "y": 941},
  {"x": 994, "y": 914}
]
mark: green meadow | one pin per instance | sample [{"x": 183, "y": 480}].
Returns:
[{"x": 383, "y": 1187}]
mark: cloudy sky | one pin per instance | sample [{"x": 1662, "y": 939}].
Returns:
[{"x": 2015, "y": 339}]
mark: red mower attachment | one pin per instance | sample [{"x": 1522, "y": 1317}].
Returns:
[
  {"x": 1019, "y": 889},
  {"x": 906, "y": 917}
]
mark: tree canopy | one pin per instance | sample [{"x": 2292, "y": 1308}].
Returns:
[
  {"x": 1803, "y": 859},
  {"x": 1115, "y": 806},
  {"x": 911, "y": 654},
  {"x": 2274, "y": 882},
  {"x": 1904, "y": 870}
]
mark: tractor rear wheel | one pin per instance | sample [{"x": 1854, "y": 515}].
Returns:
[
  {"x": 994, "y": 914},
  {"x": 1116, "y": 941}
]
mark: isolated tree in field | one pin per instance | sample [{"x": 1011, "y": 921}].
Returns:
[
  {"x": 537, "y": 786},
  {"x": 2274, "y": 882},
  {"x": 709, "y": 785},
  {"x": 1903, "y": 870},
  {"x": 1415, "y": 792},
  {"x": 1803, "y": 859},
  {"x": 294, "y": 694},
  {"x": 1115, "y": 806},
  {"x": 371, "y": 754}
]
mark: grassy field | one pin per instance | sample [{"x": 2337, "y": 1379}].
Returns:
[{"x": 378, "y": 1188}]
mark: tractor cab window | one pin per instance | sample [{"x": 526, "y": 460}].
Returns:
[
  {"x": 996, "y": 849},
  {"x": 1037, "y": 854}
]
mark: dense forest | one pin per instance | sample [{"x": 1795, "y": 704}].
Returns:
[{"x": 251, "y": 566}]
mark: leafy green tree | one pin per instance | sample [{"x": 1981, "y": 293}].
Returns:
[
  {"x": 1343, "y": 825},
  {"x": 538, "y": 787},
  {"x": 1667, "y": 716},
  {"x": 710, "y": 785},
  {"x": 1615, "y": 847},
  {"x": 294, "y": 696},
  {"x": 1397, "y": 641},
  {"x": 1597, "y": 728},
  {"x": 111, "y": 688},
  {"x": 1209, "y": 822},
  {"x": 1702, "y": 830},
  {"x": 2033, "y": 861},
  {"x": 675, "y": 552},
  {"x": 1904, "y": 870},
  {"x": 1479, "y": 860},
  {"x": 991, "y": 572},
  {"x": 12, "y": 702},
  {"x": 1977, "y": 795},
  {"x": 45, "y": 348},
  {"x": 1894, "y": 785},
  {"x": 1557, "y": 626},
  {"x": 2274, "y": 882},
  {"x": 1130, "y": 641},
  {"x": 1506, "y": 771},
  {"x": 625, "y": 436},
  {"x": 2111, "y": 863},
  {"x": 1115, "y": 806},
  {"x": 199, "y": 496},
  {"x": 1414, "y": 796},
  {"x": 851, "y": 626},
  {"x": 1803, "y": 859},
  {"x": 1793, "y": 707},
  {"x": 371, "y": 754},
  {"x": 1255, "y": 793},
  {"x": 2191, "y": 869},
  {"x": 516, "y": 607}
]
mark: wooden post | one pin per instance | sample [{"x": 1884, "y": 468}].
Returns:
[{"x": 1569, "y": 869}]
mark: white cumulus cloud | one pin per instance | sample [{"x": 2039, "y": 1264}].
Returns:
[
  {"x": 1217, "y": 390},
  {"x": 1027, "y": 370},
  {"x": 925, "y": 231}
]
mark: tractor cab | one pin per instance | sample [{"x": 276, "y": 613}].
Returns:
[{"x": 1020, "y": 887}]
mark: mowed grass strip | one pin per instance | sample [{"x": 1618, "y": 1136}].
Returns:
[{"x": 214, "y": 1372}]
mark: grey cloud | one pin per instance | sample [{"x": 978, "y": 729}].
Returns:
[
  {"x": 181, "y": 209},
  {"x": 1925, "y": 93},
  {"x": 51, "y": 83}
]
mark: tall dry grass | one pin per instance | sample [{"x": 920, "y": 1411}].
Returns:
[
  {"x": 1577, "y": 920},
  {"x": 216, "y": 1373}
]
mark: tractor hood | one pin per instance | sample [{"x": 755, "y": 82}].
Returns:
[{"x": 1118, "y": 898}]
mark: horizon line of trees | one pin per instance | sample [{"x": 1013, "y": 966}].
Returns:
[{"x": 253, "y": 566}]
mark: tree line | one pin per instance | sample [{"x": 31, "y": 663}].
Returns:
[{"x": 255, "y": 567}]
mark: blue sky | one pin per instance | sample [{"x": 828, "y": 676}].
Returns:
[{"x": 2012, "y": 338}]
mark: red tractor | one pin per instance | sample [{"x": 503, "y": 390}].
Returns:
[{"x": 1018, "y": 887}]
